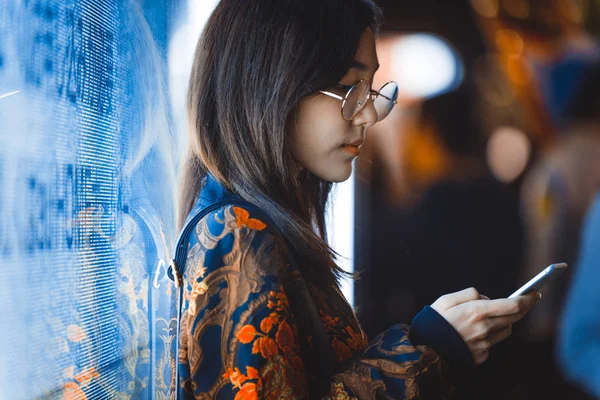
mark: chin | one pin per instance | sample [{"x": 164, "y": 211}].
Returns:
[{"x": 337, "y": 175}]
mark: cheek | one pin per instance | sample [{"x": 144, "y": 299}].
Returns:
[
  {"x": 320, "y": 127},
  {"x": 319, "y": 132}
]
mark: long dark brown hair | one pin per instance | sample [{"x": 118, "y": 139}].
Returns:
[{"x": 255, "y": 61}]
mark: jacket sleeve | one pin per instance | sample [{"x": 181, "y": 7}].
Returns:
[
  {"x": 394, "y": 366},
  {"x": 239, "y": 338}
]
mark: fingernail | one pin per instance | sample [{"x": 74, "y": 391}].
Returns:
[{"x": 539, "y": 296}]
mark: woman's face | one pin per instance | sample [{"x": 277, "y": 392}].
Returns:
[{"x": 322, "y": 141}]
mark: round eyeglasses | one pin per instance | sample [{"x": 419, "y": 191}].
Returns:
[{"x": 359, "y": 94}]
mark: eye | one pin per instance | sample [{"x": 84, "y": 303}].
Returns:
[{"x": 344, "y": 87}]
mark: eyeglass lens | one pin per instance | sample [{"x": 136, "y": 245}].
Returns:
[
  {"x": 358, "y": 96},
  {"x": 385, "y": 100},
  {"x": 355, "y": 99}
]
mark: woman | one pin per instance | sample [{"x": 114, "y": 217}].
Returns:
[{"x": 262, "y": 315}]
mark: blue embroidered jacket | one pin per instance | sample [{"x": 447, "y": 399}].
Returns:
[{"x": 253, "y": 328}]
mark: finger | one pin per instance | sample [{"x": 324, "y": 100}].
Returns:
[
  {"x": 483, "y": 297},
  {"x": 501, "y": 307},
  {"x": 499, "y": 335},
  {"x": 483, "y": 346},
  {"x": 480, "y": 357},
  {"x": 496, "y": 323},
  {"x": 527, "y": 301},
  {"x": 454, "y": 299}
]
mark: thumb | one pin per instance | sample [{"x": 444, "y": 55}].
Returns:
[{"x": 454, "y": 299}]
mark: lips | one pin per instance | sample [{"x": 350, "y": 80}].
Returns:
[
  {"x": 357, "y": 143},
  {"x": 351, "y": 149}
]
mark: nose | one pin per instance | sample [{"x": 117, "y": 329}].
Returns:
[{"x": 367, "y": 116}]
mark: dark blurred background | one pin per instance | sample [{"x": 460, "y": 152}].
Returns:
[{"x": 484, "y": 172}]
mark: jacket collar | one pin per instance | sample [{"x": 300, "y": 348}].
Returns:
[{"x": 212, "y": 192}]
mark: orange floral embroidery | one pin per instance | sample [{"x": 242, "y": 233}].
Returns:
[
  {"x": 268, "y": 347},
  {"x": 256, "y": 347},
  {"x": 346, "y": 340},
  {"x": 284, "y": 369},
  {"x": 285, "y": 337},
  {"x": 247, "y": 392},
  {"x": 252, "y": 373},
  {"x": 235, "y": 376},
  {"x": 282, "y": 301},
  {"x": 246, "y": 334},
  {"x": 266, "y": 324},
  {"x": 242, "y": 218},
  {"x": 342, "y": 351},
  {"x": 356, "y": 340},
  {"x": 275, "y": 317},
  {"x": 328, "y": 320}
]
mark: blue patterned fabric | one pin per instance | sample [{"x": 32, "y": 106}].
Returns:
[{"x": 250, "y": 323}]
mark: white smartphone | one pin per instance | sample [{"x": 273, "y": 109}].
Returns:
[{"x": 541, "y": 279}]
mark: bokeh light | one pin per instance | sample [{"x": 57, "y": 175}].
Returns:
[
  {"x": 425, "y": 65},
  {"x": 508, "y": 152},
  {"x": 485, "y": 8},
  {"x": 509, "y": 41}
]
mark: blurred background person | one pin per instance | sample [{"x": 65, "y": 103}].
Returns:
[
  {"x": 556, "y": 196},
  {"x": 579, "y": 339}
]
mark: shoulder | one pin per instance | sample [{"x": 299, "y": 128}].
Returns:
[
  {"x": 234, "y": 235},
  {"x": 243, "y": 223}
]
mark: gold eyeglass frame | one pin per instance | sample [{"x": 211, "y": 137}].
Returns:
[{"x": 370, "y": 94}]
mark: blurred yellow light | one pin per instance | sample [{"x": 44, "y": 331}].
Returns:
[
  {"x": 518, "y": 70},
  {"x": 509, "y": 41},
  {"x": 485, "y": 8},
  {"x": 426, "y": 158}
]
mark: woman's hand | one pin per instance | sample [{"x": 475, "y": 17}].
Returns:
[{"x": 482, "y": 322}]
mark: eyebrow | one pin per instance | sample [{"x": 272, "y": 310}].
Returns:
[{"x": 362, "y": 66}]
